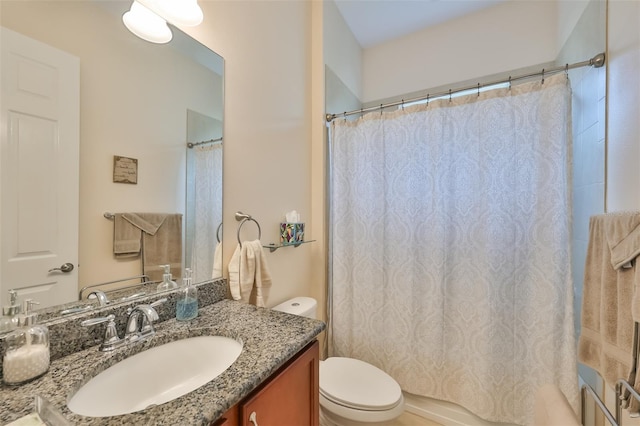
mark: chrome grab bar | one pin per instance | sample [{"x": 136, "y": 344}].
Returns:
[{"x": 586, "y": 389}]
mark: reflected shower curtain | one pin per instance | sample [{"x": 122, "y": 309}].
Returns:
[
  {"x": 208, "y": 208},
  {"x": 450, "y": 235}
]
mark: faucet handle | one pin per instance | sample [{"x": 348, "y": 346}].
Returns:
[{"x": 111, "y": 339}]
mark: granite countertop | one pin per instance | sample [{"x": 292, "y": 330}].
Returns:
[{"x": 269, "y": 339}]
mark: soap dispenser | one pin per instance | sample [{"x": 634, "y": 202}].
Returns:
[
  {"x": 187, "y": 304},
  {"x": 9, "y": 320},
  {"x": 26, "y": 348},
  {"x": 166, "y": 283}
]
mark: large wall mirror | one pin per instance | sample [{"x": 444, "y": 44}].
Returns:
[{"x": 137, "y": 100}]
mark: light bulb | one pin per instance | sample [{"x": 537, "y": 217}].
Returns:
[
  {"x": 181, "y": 12},
  {"x": 146, "y": 24}
]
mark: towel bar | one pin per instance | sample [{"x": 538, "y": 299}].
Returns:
[
  {"x": 242, "y": 218},
  {"x": 586, "y": 389},
  {"x": 144, "y": 279},
  {"x": 620, "y": 397}
]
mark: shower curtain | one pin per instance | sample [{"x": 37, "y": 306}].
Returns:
[
  {"x": 208, "y": 208},
  {"x": 450, "y": 233}
]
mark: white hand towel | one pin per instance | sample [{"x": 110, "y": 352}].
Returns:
[
  {"x": 217, "y": 261},
  {"x": 249, "y": 276},
  {"x": 262, "y": 276},
  {"x": 234, "y": 274}
]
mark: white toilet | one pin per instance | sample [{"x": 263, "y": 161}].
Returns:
[{"x": 352, "y": 392}]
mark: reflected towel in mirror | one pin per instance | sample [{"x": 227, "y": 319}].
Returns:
[
  {"x": 126, "y": 238},
  {"x": 159, "y": 238}
]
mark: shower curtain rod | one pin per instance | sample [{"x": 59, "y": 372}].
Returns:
[
  {"x": 596, "y": 62},
  {"x": 192, "y": 144}
]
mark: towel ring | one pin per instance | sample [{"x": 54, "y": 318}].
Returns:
[
  {"x": 218, "y": 232},
  {"x": 244, "y": 218}
]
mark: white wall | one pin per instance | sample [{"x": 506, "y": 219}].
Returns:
[
  {"x": 505, "y": 37},
  {"x": 623, "y": 155},
  {"x": 267, "y": 157},
  {"x": 124, "y": 84},
  {"x": 342, "y": 53}
]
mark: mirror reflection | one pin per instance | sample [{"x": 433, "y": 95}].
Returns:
[{"x": 129, "y": 108}]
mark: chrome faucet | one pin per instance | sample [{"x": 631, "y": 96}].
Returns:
[
  {"x": 102, "y": 298},
  {"x": 136, "y": 330}
]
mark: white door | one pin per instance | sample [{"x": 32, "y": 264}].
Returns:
[{"x": 39, "y": 170}]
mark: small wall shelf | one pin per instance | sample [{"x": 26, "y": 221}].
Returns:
[{"x": 273, "y": 246}]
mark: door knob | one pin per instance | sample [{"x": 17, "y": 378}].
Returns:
[{"x": 66, "y": 267}]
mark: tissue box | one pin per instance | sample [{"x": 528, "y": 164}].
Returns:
[{"x": 291, "y": 233}]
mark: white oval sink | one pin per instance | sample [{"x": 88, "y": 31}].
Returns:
[{"x": 155, "y": 376}]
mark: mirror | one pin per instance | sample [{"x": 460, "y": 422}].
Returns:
[{"x": 142, "y": 101}]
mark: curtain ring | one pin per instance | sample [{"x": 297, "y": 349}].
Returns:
[
  {"x": 427, "y": 99},
  {"x": 380, "y": 109},
  {"x": 542, "y": 75},
  {"x": 403, "y": 104},
  {"x": 566, "y": 71},
  {"x": 478, "y": 89},
  {"x": 344, "y": 114},
  {"x": 449, "y": 95},
  {"x": 509, "y": 82}
]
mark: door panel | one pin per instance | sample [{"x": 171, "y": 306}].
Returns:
[{"x": 39, "y": 159}]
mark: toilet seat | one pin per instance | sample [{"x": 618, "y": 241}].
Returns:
[{"x": 355, "y": 384}]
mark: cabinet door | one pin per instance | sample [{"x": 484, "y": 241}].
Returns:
[
  {"x": 229, "y": 418},
  {"x": 290, "y": 398}
]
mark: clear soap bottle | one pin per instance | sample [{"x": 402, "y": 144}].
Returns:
[
  {"x": 187, "y": 304},
  {"x": 9, "y": 320},
  {"x": 26, "y": 349},
  {"x": 167, "y": 283}
]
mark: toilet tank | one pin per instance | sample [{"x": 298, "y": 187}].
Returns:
[{"x": 303, "y": 306}]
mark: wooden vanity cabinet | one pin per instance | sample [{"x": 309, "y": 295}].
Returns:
[{"x": 290, "y": 397}]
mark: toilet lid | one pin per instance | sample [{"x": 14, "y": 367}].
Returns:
[{"x": 357, "y": 384}]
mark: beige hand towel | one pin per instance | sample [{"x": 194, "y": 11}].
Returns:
[
  {"x": 623, "y": 238},
  {"x": 163, "y": 247},
  {"x": 249, "y": 276},
  {"x": 147, "y": 222},
  {"x": 606, "y": 338},
  {"x": 126, "y": 238}
]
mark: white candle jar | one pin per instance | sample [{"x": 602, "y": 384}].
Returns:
[{"x": 26, "y": 354}]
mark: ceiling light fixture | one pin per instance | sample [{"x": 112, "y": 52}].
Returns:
[
  {"x": 181, "y": 12},
  {"x": 147, "y": 25},
  {"x": 148, "y": 18}
]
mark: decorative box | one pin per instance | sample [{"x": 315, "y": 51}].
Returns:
[{"x": 291, "y": 233}]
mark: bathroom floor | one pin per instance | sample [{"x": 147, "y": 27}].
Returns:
[{"x": 410, "y": 419}]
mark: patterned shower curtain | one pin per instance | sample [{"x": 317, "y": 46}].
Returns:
[
  {"x": 208, "y": 211},
  {"x": 450, "y": 233}
]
